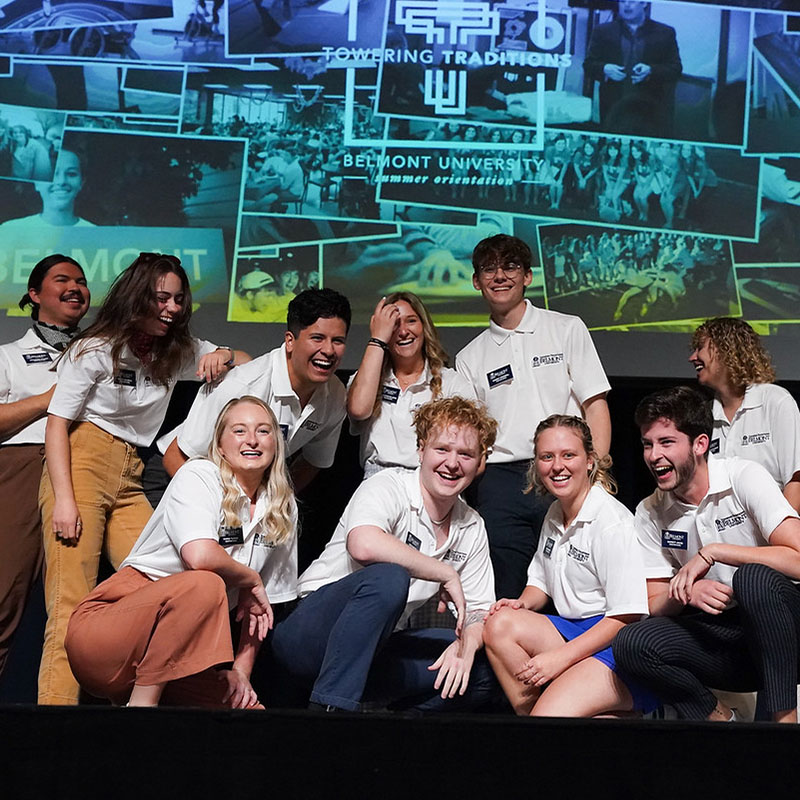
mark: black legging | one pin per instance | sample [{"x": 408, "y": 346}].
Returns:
[{"x": 751, "y": 647}]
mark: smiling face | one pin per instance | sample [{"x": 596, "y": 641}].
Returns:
[
  {"x": 562, "y": 464},
  {"x": 67, "y": 182},
  {"x": 710, "y": 370},
  {"x": 168, "y": 305},
  {"x": 449, "y": 461},
  {"x": 314, "y": 354},
  {"x": 503, "y": 290},
  {"x": 408, "y": 338},
  {"x": 247, "y": 440},
  {"x": 677, "y": 464},
  {"x": 63, "y": 297}
]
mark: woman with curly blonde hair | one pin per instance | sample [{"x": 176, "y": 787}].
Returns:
[
  {"x": 404, "y": 366},
  {"x": 589, "y": 564},
  {"x": 222, "y": 537},
  {"x": 753, "y": 418}
]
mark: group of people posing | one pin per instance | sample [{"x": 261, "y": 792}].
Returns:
[{"x": 486, "y": 488}]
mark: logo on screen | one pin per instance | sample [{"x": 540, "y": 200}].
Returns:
[{"x": 447, "y": 21}]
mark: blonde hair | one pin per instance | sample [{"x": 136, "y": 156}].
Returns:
[
  {"x": 280, "y": 516},
  {"x": 739, "y": 348},
  {"x": 433, "y": 354},
  {"x": 447, "y": 411},
  {"x": 601, "y": 466}
]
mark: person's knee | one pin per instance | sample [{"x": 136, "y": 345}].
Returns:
[
  {"x": 754, "y": 583},
  {"x": 387, "y": 581},
  {"x": 635, "y": 645},
  {"x": 207, "y": 589},
  {"x": 500, "y": 627}
]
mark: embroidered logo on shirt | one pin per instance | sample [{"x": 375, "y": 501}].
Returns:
[
  {"x": 413, "y": 541},
  {"x": 674, "y": 540},
  {"x": 755, "y": 438},
  {"x": 548, "y": 546},
  {"x": 390, "y": 394},
  {"x": 455, "y": 555},
  {"x": 125, "y": 377},
  {"x": 579, "y": 555},
  {"x": 499, "y": 376},
  {"x": 543, "y": 361},
  {"x": 230, "y": 535},
  {"x": 310, "y": 425},
  {"x": 37, "y": 358},
  {"x": 260, "y": 540},
  {"x": 730, "y": 522},
  {"x": 713, "y": 448}
]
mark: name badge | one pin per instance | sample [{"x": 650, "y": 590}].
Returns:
[
  {"x": 310, "y": 425},
  {"x": 499, "y": 376},
  {"x": 674, "y": 540},
  {"x": 413, "y": 541},
  {"x": 229, "y": 536},
  {"x": 390, "y": 394},
  {"x": 548, "y": 546},
  {"x": 125, "y": 377},
  {"x": 37, "y": 358},
  {"x": 713, "y": 448}
]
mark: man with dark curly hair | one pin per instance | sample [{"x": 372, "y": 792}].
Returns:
[{"x": 753, "y": 418}]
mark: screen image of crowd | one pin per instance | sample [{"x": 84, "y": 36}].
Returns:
[{"x": 633, "y": 278}]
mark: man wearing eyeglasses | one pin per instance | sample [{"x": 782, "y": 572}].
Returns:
[{"x": 530, "y": 363}]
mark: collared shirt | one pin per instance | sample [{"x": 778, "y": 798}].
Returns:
[
  {"x": 26, "y": 370},
  {"x": 743, "y": 506},
  {"x": 764, "y": 429},
  {"x": 313, "y": 429},
  {"x": 594, "y": 566},
  {"x": 546, "y": 365},
  {"x": 392, "y": 501},
  {"x": 125, "y": 401},
  {"x": 390, "y": 440},
  {"x": 191, "y": 509}
]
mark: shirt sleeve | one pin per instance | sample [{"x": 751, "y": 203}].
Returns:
[
  {"x": 786, "y": 420},
  {"x": 760, "y": 496},
  {"x": 464, "y": 368},
  {"x": 658, "y": 562},
  {"x": 193, "y": 506},
  {"x": 78, "y": 372},
  {"x": 536, "y": 574},
  {"x": 378, "y": 501},
  {"x": 454, "y": 384},
  {"x": 5, "y": 377},
  {"x": 586, "y": 372}
]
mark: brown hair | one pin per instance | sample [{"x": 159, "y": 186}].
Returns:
[
  {"x": 601, "y": 466},
  {"x": 739, "y": 348}
]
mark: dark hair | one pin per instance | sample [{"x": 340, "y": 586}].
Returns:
[
  {"x": 313, "y": 304},
  {"x": 37, "y": 276},
  {"x": 503, "y": 249},
  {"x": 130, "y": 299},
  {"x": 682, "y": 405}
]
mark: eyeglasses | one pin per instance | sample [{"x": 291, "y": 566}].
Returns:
[{"x": 490, "y": 270}]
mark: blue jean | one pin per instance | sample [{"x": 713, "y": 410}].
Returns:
[{"x": 339, "y": 640}]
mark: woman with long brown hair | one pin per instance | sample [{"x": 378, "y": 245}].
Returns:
[
  {"x": 114, "y": 384},
  {"x": 404, "y": 366}
]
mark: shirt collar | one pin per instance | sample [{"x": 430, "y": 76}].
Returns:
[
  {"x": 281, "y": 383},
  {"x": 753, "y": 396},
  {"x": 424, "y": 378},
  {"x": 526, "y": 325}
]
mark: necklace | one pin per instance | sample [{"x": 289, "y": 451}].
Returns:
[{"x": 441, "y": 521}]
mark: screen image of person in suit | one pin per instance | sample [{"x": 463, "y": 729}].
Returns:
[{"x": 637, "y": 63}]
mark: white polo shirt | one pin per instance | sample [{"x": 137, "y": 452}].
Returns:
[
  {"x": 123, "y": 402},
  {"x": 25, "y": 370},
  {"x": 764, "y": 429},
  {"x": 743, "y": 506},
  {"x": 546, "y": 365},
  {"x": 191, "y": 509},
  {"x": 392, "y": 501},
  {"x": 390, "y": 440},
  {"x": 313, "y": 429},
  {"x": 595, "y": 565}
]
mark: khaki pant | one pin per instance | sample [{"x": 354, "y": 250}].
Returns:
[
  {"x": 20, "y": 534},
  {"x": 107, "y": 481},
  {"x": 131, "y": 629}
]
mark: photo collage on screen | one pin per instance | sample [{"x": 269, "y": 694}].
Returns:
[{"x": 368, "y": 145}]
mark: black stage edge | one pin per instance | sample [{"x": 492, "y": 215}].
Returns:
[{"x": 120, "y": 753}]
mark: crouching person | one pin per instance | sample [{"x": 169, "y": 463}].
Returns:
[
  {"x": 223, "y": 536},
  {"x": 404, "y": 537}
]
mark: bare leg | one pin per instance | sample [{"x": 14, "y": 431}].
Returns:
[
  {"x": 146, "y": 695},
  {"x": 587, "y": 689},
  {"x": 790, "y": 715},
  {"x": 512, "y": 637}
]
